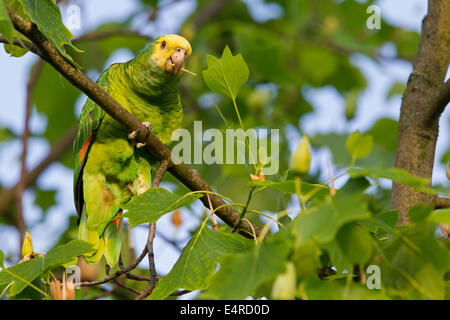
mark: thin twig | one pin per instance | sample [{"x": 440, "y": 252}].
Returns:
[
  {"x": 22, "y": 43},
  {"x": 122, "y": 285},
  {"x": 58, "y": 150},
  {"x": 137, "y": 277},
  {"x": 151, "y": 236},
  {"x": 174, "y": 243},
  {"x": 95, "y": 36},
  {"x": 21, "y": 186},
  {"x": 118, "y": 273},
  {"x": 180, "y": 293},
  {"x": 151, "y": 261},
  {"x": 244, "y": 211},
  {"x": 160, "y": 173},
  {"x": 215, "y": 225}
]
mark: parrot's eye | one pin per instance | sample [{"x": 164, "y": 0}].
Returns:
[{"x": 163, "y": 44}]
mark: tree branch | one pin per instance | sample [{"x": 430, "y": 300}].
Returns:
[
  {"x": 421, "y": 104},
  {"x": 95, "y": 36},
  {"x": 442, "y": 203},
  {"x": 21, "y": 186},
  {"x": 187, "y": 176},
  {"x": 151, "y": 262},
  {"x": 151, "y": 236},
  {"x": 116, "y": 274},
  {"x": 439, "y": 101},
  {"x": 60, "y": 148},
  {"x": 21, "y": 44}
]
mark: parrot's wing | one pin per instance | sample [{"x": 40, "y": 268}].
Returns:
[{"x": 90, "y": 120}]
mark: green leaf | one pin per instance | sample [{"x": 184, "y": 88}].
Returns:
[
  {"x": 440, "y": 216},
  {"x": 358, "y": 145},
  {"x": 45, "y": 199},
  {"x": 28, "y": 271},
  {"x": 390, "y": 217},
  {"x": 227, "y": 74},
  {"x": 66, "y": 253},
  {"x": 6, "y": 134},
  {"x": 398, "y": 175},
  {"x": 24, "y": 273},
  {"x": 6, "y": 26},
  {"x": 416, "y": 262},
  {"x": 351, "y": 104},
  {"x": 307, "y": 260},
  {"x": 419, "y": 212},
  {"x": 241, "y": 274},
  {"x": 155, "y": 202},
  {"x": 321, "y": 223},
  {"x": 46, "y": 15},
  {"x": 309, "y": 60},
  {"x": 397, "y": 89},
  {"x": 2, "y": 259},
  {"x": 13, "y": 50},
  {"x": 196, "y": 264},
  {"x": 355, "y": 243},
  {"x": 266, "y": 52}
]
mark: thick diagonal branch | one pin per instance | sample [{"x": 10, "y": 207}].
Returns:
[{"x": 187, "y": 176}]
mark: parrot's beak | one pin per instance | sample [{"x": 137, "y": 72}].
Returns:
[{"x": 176, "y": 61}]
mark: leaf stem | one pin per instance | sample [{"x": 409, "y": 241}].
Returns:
[
  {"x": 298, "y": 191},
  {"x": 244, "y": 211}
]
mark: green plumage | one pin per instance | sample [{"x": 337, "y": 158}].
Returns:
[{"x": 109, "y": 169}]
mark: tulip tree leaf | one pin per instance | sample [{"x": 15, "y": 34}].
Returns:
[
  {"x": 46, "y": 15},
  {"x": 323, "y": 222},
  {"x": 154, "y": 203},
  {"x": 6, "y": 26},
  {"x": 24, "y": 273},
  {"x": 2, "y": 259},
  {"x": 195, "y": 266},
  {"x": 397, "y": 175},
  {"x": 241, "y": 274},
  {"x": 359, "y": 145},
  {"x": 227, "y": 74}
]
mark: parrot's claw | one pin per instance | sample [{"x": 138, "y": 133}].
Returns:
[
  {"x": 133, "y": 135},
  {"x": 148, "y": 125},
  {"x": 140, "y": 145}
]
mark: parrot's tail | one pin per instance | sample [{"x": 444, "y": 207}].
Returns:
[
  {"x": 112, "y": 238},
  {"x": 107, "y": 244}
]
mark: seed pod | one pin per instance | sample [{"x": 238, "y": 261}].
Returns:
[
  {"x": 301, "y": 157},
  {"x": 285, "y": 284}
]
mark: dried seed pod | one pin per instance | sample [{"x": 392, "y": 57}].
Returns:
[{"x": 176, "y": 218}]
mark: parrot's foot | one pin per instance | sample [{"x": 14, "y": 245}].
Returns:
[{"x": 133, "y": 135}]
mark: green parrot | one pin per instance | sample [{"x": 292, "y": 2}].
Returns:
[{"x": 110, "y": 167}]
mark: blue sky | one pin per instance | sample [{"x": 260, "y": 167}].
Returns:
[{"x": 328, "y": 115}]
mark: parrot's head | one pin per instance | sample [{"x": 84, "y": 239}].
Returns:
[{"x": 170, "y": 53}]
